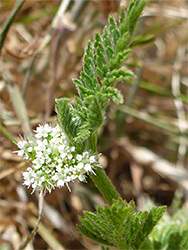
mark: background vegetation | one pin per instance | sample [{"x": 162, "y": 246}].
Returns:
[{"x": 144, "y": 142}]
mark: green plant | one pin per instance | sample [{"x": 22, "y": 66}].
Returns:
[
  {"x": 103, "y": 66},
  {"x": 69, "y": 151},
  {"x": 171, "y": 232},
  {"x": 119, "y": 225}
]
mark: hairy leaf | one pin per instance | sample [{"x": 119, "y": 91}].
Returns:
[
  {"x": 102, "y": 68},
  {"x": 119, "y": 225}
]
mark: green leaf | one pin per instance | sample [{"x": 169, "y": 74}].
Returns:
[
  {"x": 108, "y": 44},
  {"x": 120, "y": 58},
  {"x": 147, "y": 245},
  {"x": 119, "y": 225},
  {"x": 122, "y": 21},
  {"x": 113, "y": 93},
  {"x": 68, "y": 118},
  {"x": 117, "y": 75},
  {"x": 101, "y": 70},
  {"x": 95, "y": 113},
  {"x": 123, "y": 42},
  {"x": 184, "y": 240},
  {"x": 114, "y": 30},
  {"x": 81, "y": 109},
  {"x": 134, "y": 11},
  {"x": 142, "y": 40},
  {"x": 100, "y": 56},
  {"x": 148, "y": 224},
  {"x": 83, "y": 92},
  {"x": 171, "y": 232}
]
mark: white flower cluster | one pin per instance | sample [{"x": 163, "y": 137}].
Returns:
[{"x": 54, "y": 162}]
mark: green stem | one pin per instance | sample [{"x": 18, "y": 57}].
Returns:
[
  {"x": 9, "y": 21},
  {"x": 101, "y": 180},
  {"x": 4, "y": 131}
]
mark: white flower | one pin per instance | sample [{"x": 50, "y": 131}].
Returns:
[
  {"x": 54, "y": 162},
  {"x": 36, "y": 166},
  {"x": 38, "y": 153},
  {"x": 61, "y": 148},
  {"x": 63, "y": 155},
  {"x": 92, "y": 159},
  {"x": 60, "y": 183},
  {"x": 42, "y": 161},
  {"x": 86, "y": 154},
  {"x": 29, "y": 149},
  {"x": 40, "y": 146},
  {"x": 81, "y": 177},
  {"x": 88, "y": 167},
  {"x": 68, "y": 179},
  {"x": 48, "y": 150},
  {"x": 43, "y": 131},
  {"x": 59, "y": 160},
  {"x": 22, "y": 144},
  {"x": 73, "y": 149},
  {"x": 45, "y": 142},
  {"x": 69, "y": 156},
  {"x": 59, "y": 169},
  {"x": 48, "y": 159},
  {"x": 80, "y": 165},
  {"x": 55, "y": 177},
  {"x": 79, "y": 157},
  {"x": 20, "y": 153},
  {"x": 66, "y": 171},
  {"x": 26, "y": 175},
  {"x": 26, "y": 156}
]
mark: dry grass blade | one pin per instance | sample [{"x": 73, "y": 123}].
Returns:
[
  {"x": 19, "y": 107},
  {"x": 62, "y": 8},
  {"x": 46, "y": 235},
  {"x": 32, "y": 235},
  {"x": 56, "y": 218},
  {"x": 9, "y": 21},
  {"x": 176, "y": 86},
  {"x": 17, "y": 100},
  {"x": 171, "y": 12},
  {"x": 11, "y": 171},
  {"x": 163, "y": 167},
  {"x": 63, "y": 30}
]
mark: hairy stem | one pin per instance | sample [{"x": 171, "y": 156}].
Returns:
[{"x": 101, "y": 180}]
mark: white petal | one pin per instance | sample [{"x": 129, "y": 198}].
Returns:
[
  {"x": 80, "y": 165},
  {"x": 60, "y": 183},
  {"x": 88, "y": 167},
  {"x": 81, "y": 177}
]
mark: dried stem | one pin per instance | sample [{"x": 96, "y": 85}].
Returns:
[{"x": 31, "y": 236}]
